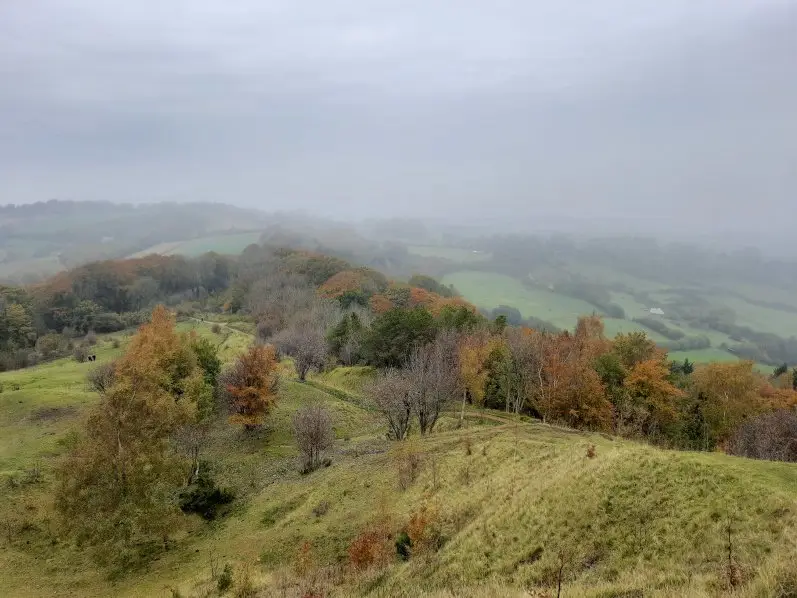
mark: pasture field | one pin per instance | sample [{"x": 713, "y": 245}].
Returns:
[
  {"x": 490, "y": 289},
  {"x": 454, "y": 254},
  {"x": 230, "y": 244},
  {"x": 615, "y": 326},
  {"x": 763, "y": 319}
]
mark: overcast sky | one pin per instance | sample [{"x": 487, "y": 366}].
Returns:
[{"x": 676, "y": 113}]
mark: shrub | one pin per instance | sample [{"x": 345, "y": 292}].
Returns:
[
  {"x": 51, "y": 344},
  {"x": 216, "y": 329},
  {"x": 409, "y": 467},
  {"x": 370, "y": 548},
  {"x": 772, "y": 436},
  {"x": 423, "y": 530},
  {"x": 80, "y": 353},
  {"x": 591, "y": 451},
  {"x": 102, "y": 377},
  {"x": 115, "y": 343},
  {"x": 224, "y": 582},
  {"x": 661, "y": 328},
  {"x": 321, "y": 509},
  {"x": 312, "y": 428},
  {"x": 108, "y": 322},
  {"x": 204, "y": 497},
  {"x": 91, "y": 338},
  {"x": 403, "y": 546}
]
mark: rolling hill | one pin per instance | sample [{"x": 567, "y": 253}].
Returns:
[{"x": 506, "y": 502}]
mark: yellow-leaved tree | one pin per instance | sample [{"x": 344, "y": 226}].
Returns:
[
  {"x": 473, "y": 353},
  {"x": 118, "y": 486}
]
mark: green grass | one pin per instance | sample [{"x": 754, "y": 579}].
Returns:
[
  {"x": 232, "y": 244},
  {"x": 49, "y": 401},
  {"x": 763, "y": 319},
  {"x": 489, "y": 290},
  {"x": 633, "y": 521},
  {"x": 615, "y": 326},
  {"x": 704, "y": 356},
  {"x": 454, "y": 254}
]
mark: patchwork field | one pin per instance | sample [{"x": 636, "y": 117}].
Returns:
[
  {"x": 490, "y": 289},
  {"x": 454, "y": 254},
  {"x": 231, "y": 244}
]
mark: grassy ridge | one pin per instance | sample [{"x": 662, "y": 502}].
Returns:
[{"x": 509, "y": 496}]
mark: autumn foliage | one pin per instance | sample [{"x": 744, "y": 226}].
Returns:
[
  {"x": 371, "y": 548},
  {"x": 118, "y": 484},
  {"x": 407, "y": 297},
  {"x": 252, "y": 386},
  {"x": 361, "y": 280}
]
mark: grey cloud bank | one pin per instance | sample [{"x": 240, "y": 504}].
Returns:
[{"x": 659, "y": 115}]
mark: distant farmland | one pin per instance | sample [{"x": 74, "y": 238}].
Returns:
[{"x": 232, "y": 244}]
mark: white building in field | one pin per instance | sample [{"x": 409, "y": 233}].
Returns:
[{"x": 656, "y": 311}]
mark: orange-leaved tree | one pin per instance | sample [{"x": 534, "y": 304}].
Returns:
[
  {"x": 251, "y": 385},
  {"x": 570, "y": 389},
  {"x": 653, "y": 395}
]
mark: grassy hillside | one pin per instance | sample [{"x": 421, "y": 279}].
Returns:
[{"x": 509, "y": 501}]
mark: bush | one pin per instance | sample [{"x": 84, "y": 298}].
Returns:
[
  {"x": 423, "y": 530},
  {"x": 216, "y": 329},
  {"x": 80, "y": 353},
  {"x": 102, "y": 377},
  {"x": 108, "y": 322},
  {"x": 91, "y": 338},
  {"x": 370, "y": 548},
  {"x": 772, "y": 436},
  {"x": 204, "y": 497},
  {"x": 224, "y": 582},
  {"x": 312, "y": 428},
  {"x": 321, "y": 509},
  {"x": 689, "y": 343},
  {"x": 403, "y": 546},
  {"x": 52, "y": 344},
  {"x": 409, "y": 467}
]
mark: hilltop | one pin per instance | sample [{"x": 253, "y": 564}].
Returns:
[{"x": 505, "y": 496}]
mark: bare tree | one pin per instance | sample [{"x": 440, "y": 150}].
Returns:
[
  {"x": 275, "y": 299},
  {"x": 433, "y": 373},
  {"x": 305, "y": 337},
  {"x": 102, "y": 377},
  {"x": 312, "y": 428},
  {"x": 772, "y": 436},
  {"x": 306, "y": 343},
  {"x": 527, "y": 353},
  {"x": 390, "y": 392}
]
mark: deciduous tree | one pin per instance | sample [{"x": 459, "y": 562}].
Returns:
[
  {"x": 312, "y": 429},
  {"x": 251, "y": 386},
  {"x": 117, "y": 488},
  {"x": 391, "y": 393}
]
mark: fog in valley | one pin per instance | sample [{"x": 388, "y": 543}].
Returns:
[{"x": 620, "y": 116}]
